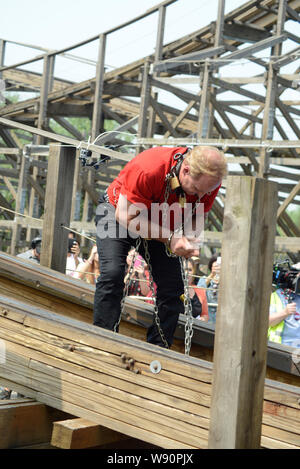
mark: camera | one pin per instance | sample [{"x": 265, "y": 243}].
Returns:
[
  {"x": 286, "y": 278},
  {"x": 72, "y": 243}
]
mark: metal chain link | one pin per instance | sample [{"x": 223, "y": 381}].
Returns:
[
  {"x": 156, "y": 316},
  {"x": 187, "y": 307}
]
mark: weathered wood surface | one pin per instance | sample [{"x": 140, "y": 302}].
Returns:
[
  {"x": 88, "y": 372},
  {"x": 58, "y": 293},
  {"x": 79, "y": 433},
  {"x": 240, "y": 351}
]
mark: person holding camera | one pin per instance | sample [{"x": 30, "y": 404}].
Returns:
[
  {"x": 73, "y": 258},
  {"x": 284, "y": 317}
]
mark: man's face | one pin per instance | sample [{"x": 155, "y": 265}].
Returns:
[{"x": 199, "y": 185}]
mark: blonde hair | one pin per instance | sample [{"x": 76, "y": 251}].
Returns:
[{"x": 207, "y": 160}]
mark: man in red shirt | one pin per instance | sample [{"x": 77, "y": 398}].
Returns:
[{"x": 138, "y": 205}]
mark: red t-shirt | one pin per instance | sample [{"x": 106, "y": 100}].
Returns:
[{"x": 142, "y": 180}]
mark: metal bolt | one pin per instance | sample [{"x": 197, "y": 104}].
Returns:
[{"x": 131, "y": 362}]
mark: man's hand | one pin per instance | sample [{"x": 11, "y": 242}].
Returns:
[
  {"x": 183, "y": 247},
  {"x": 290, "y": 309}
]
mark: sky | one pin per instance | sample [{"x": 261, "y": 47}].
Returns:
[
  {"x": 57, "y": 24},
  {"x": 61, "y": 23}
]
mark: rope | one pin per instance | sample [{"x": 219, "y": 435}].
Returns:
[{"x": 37, "y": 219}]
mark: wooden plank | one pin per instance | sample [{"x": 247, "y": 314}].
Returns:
[
  {"x": 62, "y": 363},
  {"x": 45, "y": 280},
  {"x": 64, "y": 295},
  {"x": 79, "y": 433},
  {"x": 238, "y": 376}
]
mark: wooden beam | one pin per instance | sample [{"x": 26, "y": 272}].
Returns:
[
  {"x": 247, "y": 51},
  {"x": 295, "y": 191},
  {"x": 100, "y": 70},
  {"x": 247, "y": 252},
  {"x": 21, "y": 202},
  {"x": 58, "y": 202},
  {"x": 43, "y": 103},
  {"x": 80, "y": 433},
  {"x": 106, "y": 378},
  {"x": 144, "y": 104},
  {"x": 201, "y": 55},
  {"x": 67, "y": 140},
  {"x": 25, "y": 422}
]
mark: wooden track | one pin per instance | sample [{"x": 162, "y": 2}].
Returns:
[
  {"x": 127, "y": 96},
  {"x": 87, "y": 372}
]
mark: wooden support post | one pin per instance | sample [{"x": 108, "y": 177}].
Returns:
[
  {"x": 2, "y": 54},
  {"x": 33, "y": 209},
  {"x": 242, "y": 317},
  {"x": 20, "y": 203},
  {"x": 42, "y": 118},
  {"x": 58, "y": 202},
  {"x": 145, "y": 98},
  {"x": 76, "y": 197},
  {"x": 206, "y": 110},
  {"x": 157, "y": 58},
  {"x": 271, "y": 95},
  {"x": 97, "y": 109},
  {"x": 80, "y": 433}
]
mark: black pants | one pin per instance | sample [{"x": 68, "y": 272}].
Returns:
[{"x": 113, "y": 250}]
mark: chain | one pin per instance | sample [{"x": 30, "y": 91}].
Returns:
[
  {"x": 187, "y": 306},
  {"x": 183, "y": 266},
  {"x": 156, "y": 316}
]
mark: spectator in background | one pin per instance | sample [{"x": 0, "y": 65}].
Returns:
[
  {"x": 34, "y": 253},
  {"x": 89, "y": 270},
  {"x": 284, "y": 318},
  {"x": 73, "y": 256},
  {"x": 197, "y": 295},
  {"x": 139, "y": 283},
  {"x": 211, "y": 283}
]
